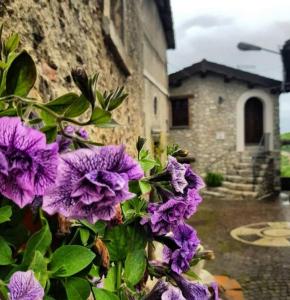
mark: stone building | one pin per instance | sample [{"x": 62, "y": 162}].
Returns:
[
  {"x": 123, "y": 40},
  {"x": 228, "y": 119},
  {"x": 155, "y": 44}
]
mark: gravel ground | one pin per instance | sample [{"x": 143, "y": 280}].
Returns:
[{"x": 263, "y": 272}]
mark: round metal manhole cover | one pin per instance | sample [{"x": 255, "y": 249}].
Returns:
[{"x": 267, "y": 234}]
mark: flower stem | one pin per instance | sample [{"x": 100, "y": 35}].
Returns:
[{"x": 119, "y": 275}]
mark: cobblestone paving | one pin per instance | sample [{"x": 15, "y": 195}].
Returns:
[{"x": 263, "y": 272}]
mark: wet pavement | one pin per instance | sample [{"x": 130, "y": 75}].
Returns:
[{"x": 263, "y": 272}]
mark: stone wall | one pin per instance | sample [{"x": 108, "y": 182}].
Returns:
[
  {"x": 211, "y": 137},
  {"x": 155, "y": 78},
  {"x": 61, "y": 35}
]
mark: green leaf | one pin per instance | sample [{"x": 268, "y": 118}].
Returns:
[
  {"x": 101, "y": 99},
  {"x": 47, "y": 118},
  {"x": 84, "y": 234},
  {"x": 5, "y": 213},
  {"x": 8, "y": 112},
  {"x": 123, "y": 239},
  {"x": 50, "y": 132},
  {"x": 135, "y": 265},
  {"x": 5, "y": 253},
  {"x": 39, "y": 267},
  {"x": 145, "y": 186},
  {"x": 110, "y": 124},
  {"x": 78, "y": 107},
  {"x": 39, "y": 241},
  {"x": 136, "y": 237},
  {"x": 103, "y": 294},
  {"x": 4, "y": 292},
  {"x": 69, "y": 260},
  {"x": 192, "y": 274},
  {"x": 147, "y": 164},
  {"x": 98, "y": 228},
  {"x": 100, "y": 117},
  {"x": 110, "y": 280},
  {"x": 118, "y": 245},
  {"x": 77, "y": 288},
  {"x": 21, "y": 75},
  {"x": 61, "y": 104},
  {"x": 11, "y": 43},
  {"x": 117, "y": 100}
]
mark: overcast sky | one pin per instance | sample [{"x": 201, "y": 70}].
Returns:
[{"x": 211, "y": 29}]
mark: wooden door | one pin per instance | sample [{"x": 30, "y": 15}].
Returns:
[{"x": 254, "y": 123}]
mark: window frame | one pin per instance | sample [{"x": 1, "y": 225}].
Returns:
[
  {"x": 184, "y": 98},
  {"x": 114, "y": 41}
]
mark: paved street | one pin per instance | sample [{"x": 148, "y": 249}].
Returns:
[{"x": 263, "y": 272}]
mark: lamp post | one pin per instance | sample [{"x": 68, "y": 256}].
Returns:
[
  {"x": 285, "y": 55},
  {"x": 250, "y": 47}
]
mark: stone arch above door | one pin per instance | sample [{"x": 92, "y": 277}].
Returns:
[{"x": 268, "y": 115}]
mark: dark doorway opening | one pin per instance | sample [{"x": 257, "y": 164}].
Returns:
[{"x": 254, "y": 123}]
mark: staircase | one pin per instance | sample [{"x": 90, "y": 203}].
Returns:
[{"x": 250, "y": 178}]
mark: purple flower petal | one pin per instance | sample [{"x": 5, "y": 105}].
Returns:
[
  {"x": 191, "y": 290},
  {"x": 192, "y": 200},
  {"x": 172, "y": 293},
  {"x": 24, "y": 286},
  {"x": 193, "y": 180},
  {"x": 177, "y": 172}
]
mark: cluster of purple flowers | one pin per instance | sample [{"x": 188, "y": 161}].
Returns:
[
  {"x": 85, "y": 184},
  {"x": 187, "y": 241},
  {"x": 176, "y": 207},
  {"x": 179, "y": 205}
]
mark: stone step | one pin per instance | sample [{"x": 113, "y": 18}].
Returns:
[
  {"x": 247, "y": 172},
  {"x": 239, "y": 186},
  {"x": 211, "y": 193},
  {"x": 246, "y": 166},
  {"x": 241, "y": 194},
  {"x": 241, "y": 179}
]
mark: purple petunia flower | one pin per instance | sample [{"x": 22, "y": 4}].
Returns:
[
  {"x": 69, "y": 129},
  {"x": 166, "y": 216},
  {"x": 83, "y": 133},
  {"x": 24, "y": 286},
  {"x": 28, "y": 166},
  {"x": 172, "y": 293},
  {"x": 91, "y": 182},
  {"x": 186, "y": 238},
  {"x": 191, "y": 290},
  {"x": 182, "y": 176}
]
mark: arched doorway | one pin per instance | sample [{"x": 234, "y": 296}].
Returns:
[{"x": 254, "y": 121}]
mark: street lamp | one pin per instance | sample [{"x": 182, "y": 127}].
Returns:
[
  {"x": 250, "y": 47},
  {"x": 285, "y": 55}
]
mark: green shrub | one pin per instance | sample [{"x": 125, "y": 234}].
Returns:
[
  {"x": 214, "y": 179},
  {"x": 285, "y": 166}
]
